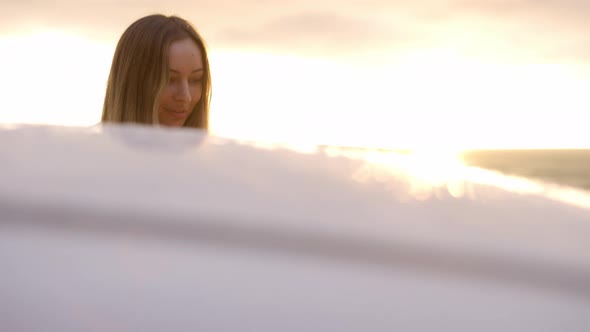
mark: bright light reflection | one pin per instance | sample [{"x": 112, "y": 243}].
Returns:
[{"x": 434, "y": 175}]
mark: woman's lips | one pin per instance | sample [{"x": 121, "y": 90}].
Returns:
[{"x": 176, "y": 113}]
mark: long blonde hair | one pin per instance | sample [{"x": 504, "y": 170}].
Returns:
[{"x": 139, "y": 72}]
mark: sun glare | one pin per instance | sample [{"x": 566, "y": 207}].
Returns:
[
  {"x": 436, "y": 100},
  {"x": 469, "y": 104},
  {"x": 419, "y": 175},
  {"x": 431, "y": 100},
  {"x": 53, "y": 77}
]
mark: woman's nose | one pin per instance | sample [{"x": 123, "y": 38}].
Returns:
[{"x": 183, "y": 92}]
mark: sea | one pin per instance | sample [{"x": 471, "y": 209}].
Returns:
[{"x": 567, "y": 167}]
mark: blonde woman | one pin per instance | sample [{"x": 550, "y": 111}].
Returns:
[{"x": 159, "y": 75}]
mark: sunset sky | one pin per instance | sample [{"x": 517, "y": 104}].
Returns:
[{"x": 383, "y": 73}]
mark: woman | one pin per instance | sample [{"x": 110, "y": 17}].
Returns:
[{"x": 159, "y": 75}]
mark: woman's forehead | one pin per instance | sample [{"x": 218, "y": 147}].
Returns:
[{"x": 185, "y": 56}]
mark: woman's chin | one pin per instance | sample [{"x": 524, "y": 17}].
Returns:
[{"x": 173, "y": 121}]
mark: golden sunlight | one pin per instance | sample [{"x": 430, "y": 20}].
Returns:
[
  {"x": 53, "y": 77},
  {"x": 415, "y": 175},
  {"x": 436, "y": 99},
  {"x": 468, "y": 104}
]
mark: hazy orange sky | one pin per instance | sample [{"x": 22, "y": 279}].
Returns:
[{"x": 485, "y": 73}]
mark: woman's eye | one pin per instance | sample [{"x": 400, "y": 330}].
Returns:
[{"x": 196, "y": 80}]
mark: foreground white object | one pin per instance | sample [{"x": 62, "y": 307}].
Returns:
[{"x": 147, "y": 229}]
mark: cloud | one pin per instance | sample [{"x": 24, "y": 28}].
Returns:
[
  {"x": 521, "y": 30},
  {"x": 544, "y": 30},
  {"x": 318, "y": 32}
]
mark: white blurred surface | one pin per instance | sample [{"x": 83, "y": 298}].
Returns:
[{"x": 133, "y": 228}]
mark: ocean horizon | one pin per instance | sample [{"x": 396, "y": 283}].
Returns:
[{"x": 565, "y": 167}]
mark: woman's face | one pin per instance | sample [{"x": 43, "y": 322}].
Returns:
[{"x": 184, "y": 88}]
